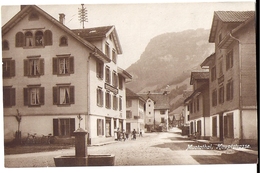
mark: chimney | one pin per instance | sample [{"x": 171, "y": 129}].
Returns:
[
  {"x": 22, "y": 7},
  {"x": 62, "y": 18}
]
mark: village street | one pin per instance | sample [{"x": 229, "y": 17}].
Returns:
[{"x": 164, "y": 148}]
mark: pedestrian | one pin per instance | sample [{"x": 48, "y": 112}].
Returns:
[
  {"x": 124, "y": 135},
  {"x": 141, "y": 133},
  {"x": 134, "y": 134},
  {"x": 118, "y": 134}
]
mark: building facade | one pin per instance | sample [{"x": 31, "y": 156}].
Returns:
[
  {"x": 198, "y": 106},
  {"x": 232, "y": 84},
  {"x": 134, "y": 112},
  {"x": 57, "y": 80}
]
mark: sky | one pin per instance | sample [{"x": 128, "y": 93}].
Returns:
[{"x": 136, "y": 22}]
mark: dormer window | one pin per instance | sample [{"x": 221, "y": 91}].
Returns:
[
  {"x": 5, "y": 45},
  {"x": 63, "y": 41}
]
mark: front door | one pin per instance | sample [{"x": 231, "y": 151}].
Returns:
[{"x": 128, "y": 128}]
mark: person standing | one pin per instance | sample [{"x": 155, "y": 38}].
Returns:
[{"x": 134, "y": 134}]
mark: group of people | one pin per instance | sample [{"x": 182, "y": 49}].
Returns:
[{"x": 124, "y": 135}]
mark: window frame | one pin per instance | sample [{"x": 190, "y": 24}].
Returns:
[
  {"x": 108, "y": 75},
  {"x": 5, "y": 45},
  {"x": 100, "y": 98},
  {"x": 108, "y": 100},
  {"x": 57, "y": 130},
  {"x": 35, "y": 91},
  {"x": 229, "y": 60},
  {"x": 100, "y": 127},
  {"x": 99, "y": 69},
  {"x": 30, "y": 67},
  {"x": 9, "y": 96},
  {"x": 221, "y": 95},
  {"x": 214, "y": 98},
  {"x": 230, "y": 90},
  {"x": 8, "y": 68},
  {"x": 56, "y": 94},
  {"x": 56, "y": 65},
  {"x": 115, "y": 102}
]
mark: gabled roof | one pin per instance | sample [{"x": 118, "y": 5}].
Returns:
[
  {"x": 124, "y": 73},
  {"x": 29, "y": 8},
  {"x": 98, "y": 33},
  {"x": 198, "y": 76},
  {"x": 197, "y": 92},
  {"x": 131, "y": 94},
  {"x": 161, "y": 101},
  {"x": 228, "y": 17},
  {"x": 208, "y": 61}
]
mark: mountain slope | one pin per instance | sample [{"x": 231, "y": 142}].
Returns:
[{"x": 168, "y": 59}]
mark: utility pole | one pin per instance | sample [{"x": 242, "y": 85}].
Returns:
[{"x": 83, "y": 14}]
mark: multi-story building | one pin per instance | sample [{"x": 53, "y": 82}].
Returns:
[
  {"x": 134, "y": 112},
  {"x": 156, "y": 111},
  {"x": 198, "y": 105},
  {"x": 58, "y": 79},
  {"x": 232, "y": 84}
]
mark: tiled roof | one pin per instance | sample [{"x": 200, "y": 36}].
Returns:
[
  {"x": 200, "y": 75},
  {"x": 234, "y": 16},
  {"x": 161, "y": 101},
  {"x": 97, "y": 32},
  {"x": 130, "y": 93}
]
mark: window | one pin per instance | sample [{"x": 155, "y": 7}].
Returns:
[
  {"x": 188, "y": 117},
  {"x": 63, "y": 41},
  {"x": 162, "y": 112},
  {"x": 191, "y": 127},
  {"x": 28, "y": 39},
  {"x": 5, "y": 45},
  {"x": 63, "y": 65},
  {"x": 33, "y": 96},
  {"x": 107, "y": 50},
  {"x": 100, "y": 127},
  {"x": 33, "y": 67},
  {"x": 120, "y": 103},
  {"x": 108, "y": 127},
  {"x": 19, "y": 39},
  {"x": 191, "y": 107},
  {"x": 63, "y": 127},
  {"x": 115, "y": 102},
  {"x": 99, "y": 69},
  {"x": 229, "y": 93},
  {"x": 229, "y": 126},
  {"x": 107, "y": 75},
  {"x": 128, "y": 114},
  {"x": 220, "y": 68},
  {"x": 63, "y": 95},
  {"x": 213, "y": 73},
  {"x": 114, "y": 56},
  {"x": 199, "y": 126},
  {"x": 214, "y": 126},
  {"x": 108, "y": 100},
  {"x": 8, "y": 96},
  {"x": 8, "y": 66},
  {"x": 99, "y": 97},
  {"x": 39, "y": 38},
  {"x": 121, "y": 82},
  {"x": 229, "y": 60},
  {"x": 198, "y": 103},
  {"x": 128, "y": 103},
  {"x": 47, "y": 37},
  {"x": 114, "y": 82},
  {"x": 162, "y": 120},
  {"x": 221, "y": 95},
  {"x": 214, "y": 98}
]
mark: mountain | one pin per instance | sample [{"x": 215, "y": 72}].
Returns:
[{"x": 168, "y": 60}]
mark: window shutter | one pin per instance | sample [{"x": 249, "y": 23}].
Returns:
[
  {"x": 12, "y": 92},
  {"x": 55, "y": 127},
  {"x": 98, "y": 97},
  {"x": 42, "y": 66},
  {"x": 12, "y": 68},
  {"x": 97, "y": 69},
  {"x": 55, "y": 95},
  {"x": 47, "y": 37},
  {"x": 19, "y": 39},
  {"x": 102, "y": 98},
  {"x": 55, "y": 65},
  {"x": 71, "y": 59},
  {"x": 26, "y": 67},
  {"x": 26, "y": 96},
  {"x": 42, "y": 95},
  {"x": 97, "y": 127},
  {"x": 102, "y": 125},
  {"x": 72, "y": 126},
  {"x": 72, "y": 95}
]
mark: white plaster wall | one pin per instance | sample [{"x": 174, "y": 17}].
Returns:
[{"x": 249, "y": 124}]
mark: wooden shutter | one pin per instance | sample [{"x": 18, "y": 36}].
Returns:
[
  {"x": 71, "y": 60},
  {"x": 42, "y": 66},
  {"x": 72, "y": 126},
  {"x": 12, "y": 68},
  {"x": 42, "y": 95},
  {"x": 102, "y": 127},
  {"x": 26, "y": 67},
  {"x": 47, "y": 38},
  {"x": 26, "y": 96},
  {"x": 55, "y": 127},
  {"x": 55, "y": 65},
  {"x": 55, "y": 95},
  {"x": 72, "y": 95},
  {"x": 19, "y": 39}
]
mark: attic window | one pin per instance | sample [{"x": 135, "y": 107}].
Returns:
[{"x": 34, "y": 16}]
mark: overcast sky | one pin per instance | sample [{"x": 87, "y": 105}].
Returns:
[{"x": 136, "y": 22}]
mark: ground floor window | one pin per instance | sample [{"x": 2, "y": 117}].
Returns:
[
  {"x": 199, "y": 126},
  {"x": 228, "y": 126},
  {"x": 191, "y": 127},
  {"x": 63, "y": 127}
]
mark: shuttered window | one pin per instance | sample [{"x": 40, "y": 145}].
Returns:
[
  {"x": 8, "y": 68},
  {"x": 63, "y": 95},
  {"x": 115, "y": 102},
  {"x": 63, "y": 127},
  {"x": 19, "y": 39},
  {"x": 99, "y": 97},
  {"x": 229, "y": 93},
  {"x": 108, "y": 100},
  {"x": 8, "y": 96},
  {"x": 100, "y": 127},
  {"x": 63, "y": 65},
  {"x": 33, "y": 96},
  {"x": 99, "y": 69},
  {"x": 47, "y": 38},
  {"x": 34, "y": 67}
]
